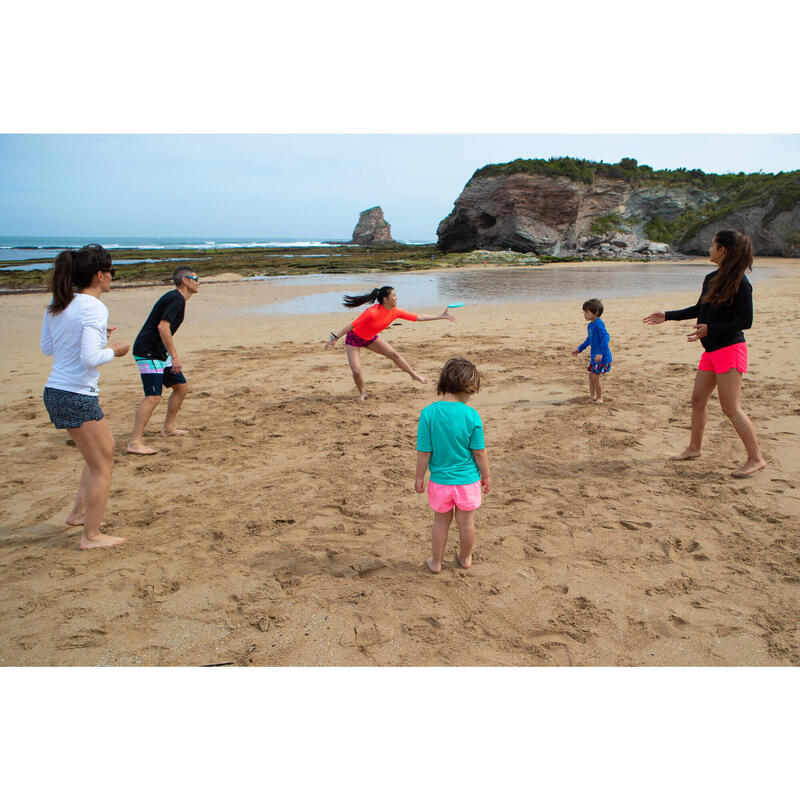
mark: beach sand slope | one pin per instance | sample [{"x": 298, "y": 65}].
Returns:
[{"x": 285, "y": 529}]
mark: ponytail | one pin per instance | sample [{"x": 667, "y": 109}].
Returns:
[
  {"x": 738, "y": 259},
  {"x": 375, "y": 296},
  {"x": 75, "y": 269},
  {"x": 61, "y": 282}
]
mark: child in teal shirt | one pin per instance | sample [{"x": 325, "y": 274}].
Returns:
[{"x": 450, "y": 442}]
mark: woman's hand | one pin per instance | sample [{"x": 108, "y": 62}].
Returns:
[
  {"x": 445, "y": 315},
  {"x": 598, "y": 358},
  {"x": 656, "y": 318},
  {"x": 120, "y": 348},
  {"x": 419, "y": 485},
  {"x": 486, "y": 483},
  {"x": 575, "y": 352},
  {"x": 330, "y": 344},
  {"x": 700, "y": 332}
]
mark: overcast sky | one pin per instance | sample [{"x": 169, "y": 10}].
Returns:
[{"x": 302, "y": 186}]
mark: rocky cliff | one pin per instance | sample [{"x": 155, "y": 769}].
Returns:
[
  {"x": 372, "y": 228},
  {"x": 567, "y": 207}
]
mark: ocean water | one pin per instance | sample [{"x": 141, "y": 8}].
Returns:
[
  {"x": 43, "y": 249},
  {"x": 512, "y": 285},
  {"x": 24, "y": 266}
]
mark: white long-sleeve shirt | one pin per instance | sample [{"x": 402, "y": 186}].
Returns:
[{"x": 76, "y": 338}]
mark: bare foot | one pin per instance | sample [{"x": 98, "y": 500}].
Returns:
[
  {"x": 598, "y": 399},
  {"x": 748, "y": 468},
  {"x": 465, "y": 563},
  {"x": 140, "y": 449},
  {"x": 362, "y": 397},
  {"x": 686, "y": 455},
  {"x": 101, "y": 540},
  {"x": 435, "y": 569},
  {"x": 77, "y": 520},
  {"x": 173, "y": 432},
  {"x": 419, "y": 378}
]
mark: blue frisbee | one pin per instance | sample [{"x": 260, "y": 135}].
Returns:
[{"x": 454, "y": 305}]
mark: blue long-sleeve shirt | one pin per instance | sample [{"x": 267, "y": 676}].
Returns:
[{"x": 597, "y": 337}]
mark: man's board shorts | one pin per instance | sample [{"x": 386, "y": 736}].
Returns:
[
  {"x": 734, "y": 356},
  {"x": 356, "y": 341},
  {"x": 599, "y": 369},
  {"x": 70, "y": 409},
  {"x": 442, "y": 498},
  {"x": 155, "y": 374}
]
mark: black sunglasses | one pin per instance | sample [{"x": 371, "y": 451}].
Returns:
[{"x": 112, "y": 270}]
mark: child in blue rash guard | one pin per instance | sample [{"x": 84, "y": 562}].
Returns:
[{"x": 597, "y": 337}]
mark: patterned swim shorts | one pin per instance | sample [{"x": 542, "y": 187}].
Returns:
[
  {"x": 356, "y": 341},
  {"x": 70, "y": 409},
  {"x": 599, "y": 369},
  {"x": 155, "y": 374}
]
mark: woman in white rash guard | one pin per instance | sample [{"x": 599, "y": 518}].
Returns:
[{"x": 75, "y": 333}]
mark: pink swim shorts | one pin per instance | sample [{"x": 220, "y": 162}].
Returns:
[
  {"x": 734, "y": 356},
  {"x": 442, "y": 498}
]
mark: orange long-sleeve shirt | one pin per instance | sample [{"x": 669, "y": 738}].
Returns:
[{"x": 376, "y": 318}]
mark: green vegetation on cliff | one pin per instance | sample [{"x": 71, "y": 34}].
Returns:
[
  {"x": 585, "y": 171},
  {"x": 608, "y": 224},
  {"x": 727, "y": 193}
]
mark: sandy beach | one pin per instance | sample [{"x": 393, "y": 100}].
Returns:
[{"x": 285, "y": 529}]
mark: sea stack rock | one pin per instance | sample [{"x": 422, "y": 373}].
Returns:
[{"x": 372, "y": 228}]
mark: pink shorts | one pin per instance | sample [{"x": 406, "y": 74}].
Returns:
[
  {"x": 442, "y": 498},
  {"x": 734, "y": 356}
]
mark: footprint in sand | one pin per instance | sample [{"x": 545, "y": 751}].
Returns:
[
  {"x": 90, "y": 637},
  {"x": 62, "y": 572}
]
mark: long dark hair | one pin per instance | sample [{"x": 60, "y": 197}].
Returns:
[
  {"x": 738, "y": 260},
  {"x": 375, "y": 296},
  {"x": 75, "y": 270}
]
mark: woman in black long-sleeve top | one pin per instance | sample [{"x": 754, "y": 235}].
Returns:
[{"x": 724, "y": 310}]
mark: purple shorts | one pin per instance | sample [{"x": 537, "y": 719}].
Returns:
[
  {"x": 466, "y": 497},
  {"x": 734, "y": 356},
  {"x": 356, "y": 341}
]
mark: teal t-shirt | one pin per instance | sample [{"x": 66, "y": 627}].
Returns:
[{"x": 450, "y": 431}]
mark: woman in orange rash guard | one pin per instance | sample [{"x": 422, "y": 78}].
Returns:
[{"x": 364, "y": 330}]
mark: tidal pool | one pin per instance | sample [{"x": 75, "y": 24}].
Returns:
[{"x": 512, "y": 285}]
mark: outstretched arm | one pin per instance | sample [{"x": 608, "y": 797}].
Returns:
[
  {"x": 431, "y": 318},
  {"x": 582, "y": 347},
  {"x": 331, "y": 343}
]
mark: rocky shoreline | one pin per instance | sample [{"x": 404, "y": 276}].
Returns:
[{"x": 296, "y": 261}]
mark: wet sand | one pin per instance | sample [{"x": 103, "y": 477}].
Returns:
[{"x": 285, "y": 529}]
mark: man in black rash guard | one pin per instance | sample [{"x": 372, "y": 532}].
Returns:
[{"x": 157, "y": 358}]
